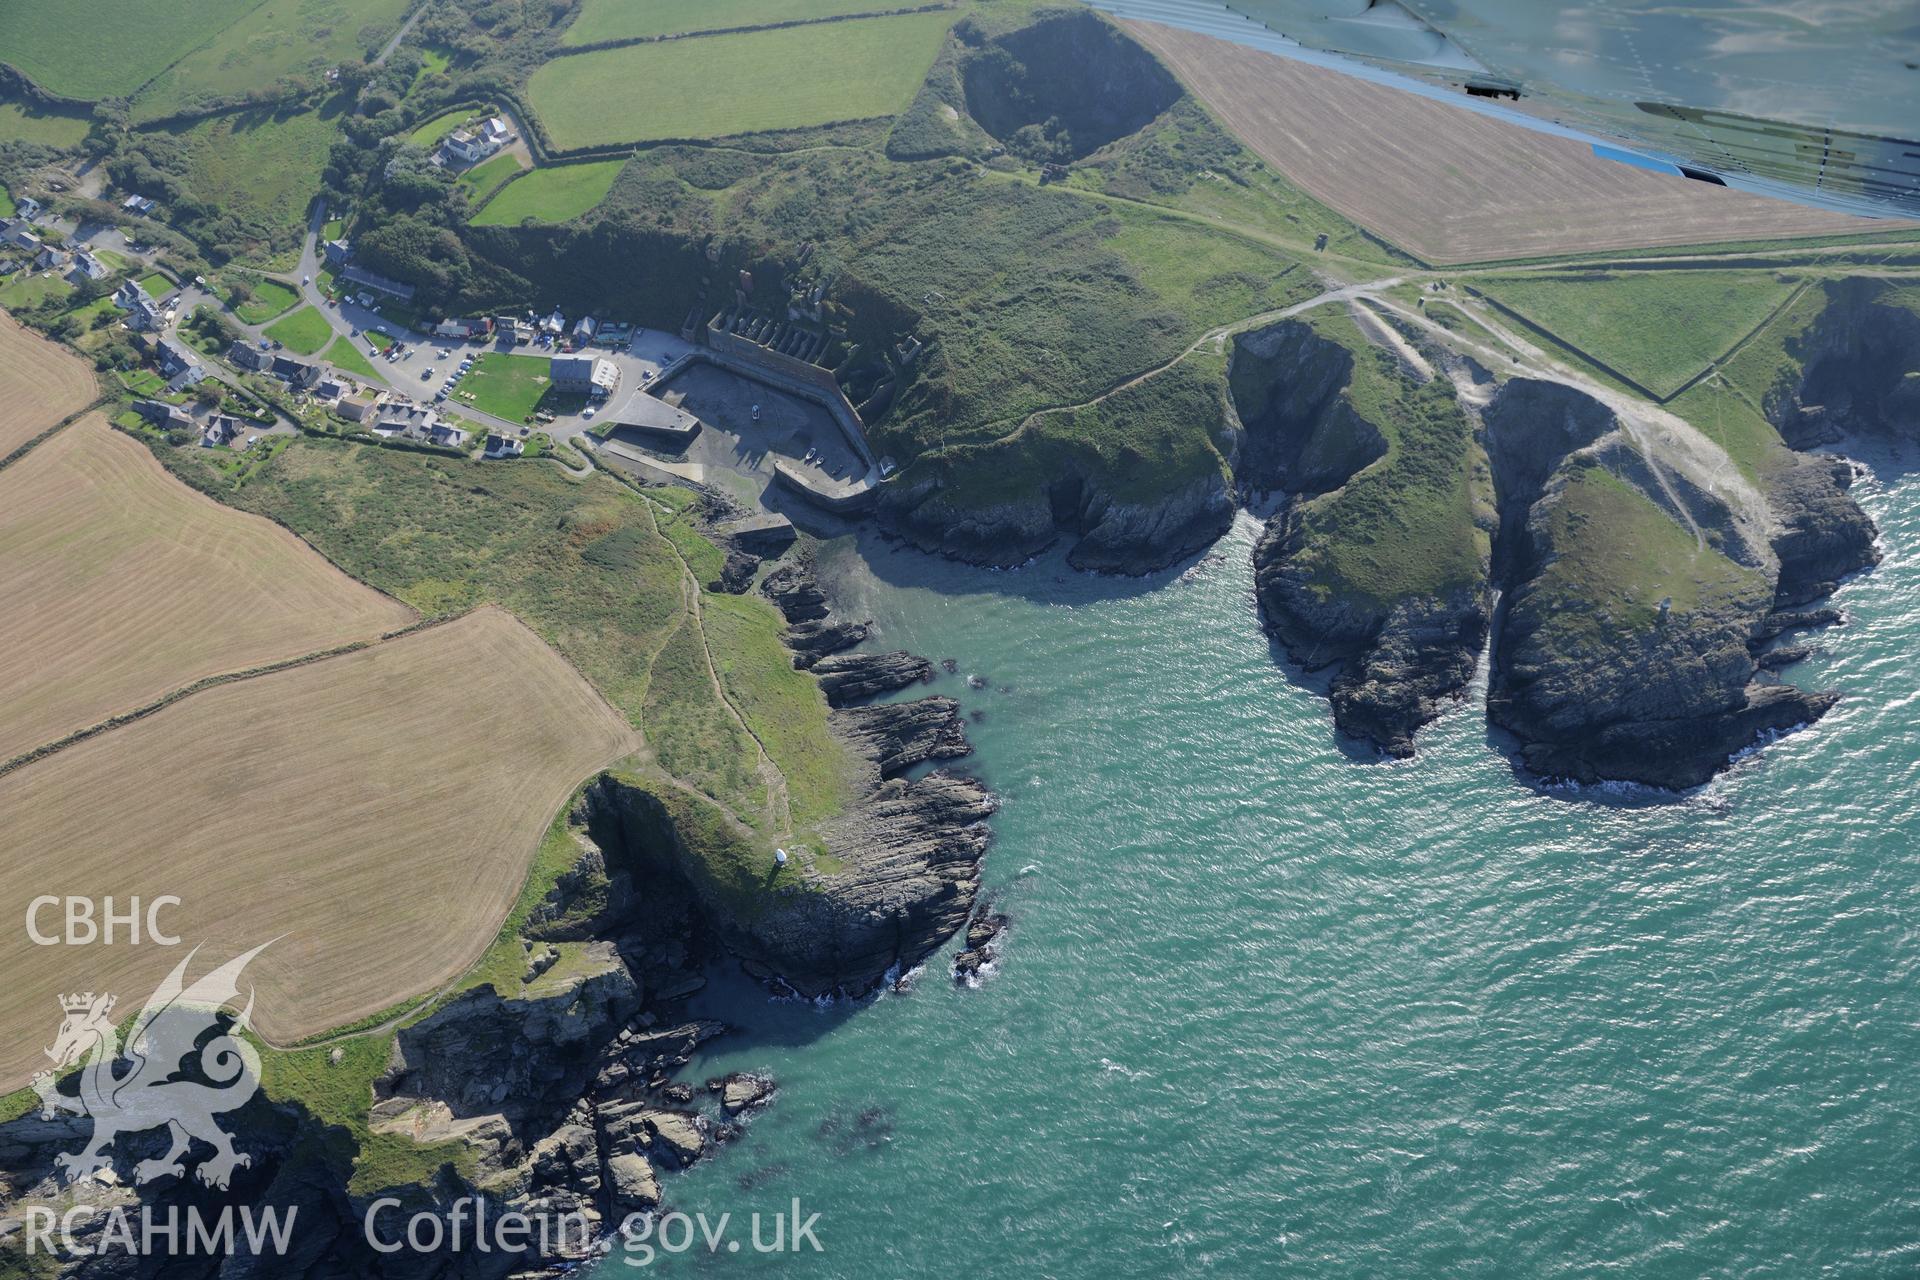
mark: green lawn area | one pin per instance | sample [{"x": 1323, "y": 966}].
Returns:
[
  {"x": 552, "y": 194},
  {"x": 429, "y": 134},
  {"x": 92, "y": 339},
  {"x": 7, "y": 206},
  {"x": 715, "y": 86},
  {"x": 346, "y": 357},
  {"x": 25, "y": 291},
  {"x": 92, "y": 49},
  {"x": 269, "y": 299},
  {"x": 484, "y": 178},
  {"x": 277, "y": 41},
  {"x": 143, "y": 382},
  {"x": 506, "y": 386},
  {"x": 1658, "y": 328},
  {"x": 155, "y": 285},
  {"x": 261, "y": 169},
  {"x": 304, "y": 332},
  {"x": 623, "y": 19}
]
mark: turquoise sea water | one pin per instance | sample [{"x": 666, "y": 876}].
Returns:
[{"x": 1269, "y": 1009}]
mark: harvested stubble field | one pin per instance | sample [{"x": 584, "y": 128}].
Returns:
[
  {"x": 1449, "y": 185},
  {"x": 375, "y": 812},
  {"x": 123, "y": 585},
  {"x": 40, "y": 384}
]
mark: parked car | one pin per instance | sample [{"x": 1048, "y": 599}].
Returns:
[{"x": 426, "y": 374}]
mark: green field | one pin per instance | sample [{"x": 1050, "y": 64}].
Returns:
[
  {"x": 1657, "y": 328},
  {"x": 553, "y": 194},
  {"x": 624, "y": 20},
  {"x": 268, "y": 299},
  {"x": 22, "y": 122},
  {"x": 716, "y": 86},
  {"x": 347, "y": 358},
  {"x": 277, "y": 41},
  {"x": 155, "y": 285},
  {"x": 304, "y": 332},
  {"x": 93, "y": 49},
  {"x": 258, "y": 170},
  {"x": 505, "y": 386},
  {"x": 484, "y": 178},
  {"x": 7, "y": 206}
]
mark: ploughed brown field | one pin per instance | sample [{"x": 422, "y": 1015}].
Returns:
[
  {"x": 1451, "y": 186},
  {"x": 375, "y": 812},
  {"x": 40, "y": 384},
  {"x": 123, "y": 585}
]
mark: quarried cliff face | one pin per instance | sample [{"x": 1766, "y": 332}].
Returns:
[{"x": 1854, "y": 369}]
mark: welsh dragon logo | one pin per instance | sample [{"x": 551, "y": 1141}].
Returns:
[{"x": 147, "y": 1086}]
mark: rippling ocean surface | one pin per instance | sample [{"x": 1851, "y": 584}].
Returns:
[{"x": 1266, "y": 1008}]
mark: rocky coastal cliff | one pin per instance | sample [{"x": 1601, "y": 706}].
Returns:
[
  {"x": 1643, "y": 580},
  {"x": 553, "y": 1088},
  {"x": 1108, "y": 534},
  {"x": 1399, "y": 657},
  {"x": 1638, "y": 602}
]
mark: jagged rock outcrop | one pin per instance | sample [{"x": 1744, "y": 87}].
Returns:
[
  {"x": 484, "y": 1053},
  {"x": 811, "y": 633},
  {"x": 853, "y": 677},
  {"x": 812, "y": 641},
  {"x": 982, "y": 944},
  {"x": 1399, "y": 659},
  {"x": 1823, "y": 534},
  {"x": 796, "y": 594},
  {"x": 900, "y": 735},
  {"x": 742, "y": 1091}
]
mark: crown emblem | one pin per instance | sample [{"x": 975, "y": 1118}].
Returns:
[{"x": 81, "y": 1002}]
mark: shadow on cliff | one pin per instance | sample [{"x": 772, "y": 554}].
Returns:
[{"x": 1045, "y": 579}]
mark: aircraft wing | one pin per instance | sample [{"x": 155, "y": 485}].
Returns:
[{"x": 1816, "y": 101}]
